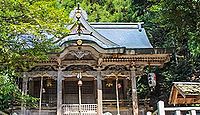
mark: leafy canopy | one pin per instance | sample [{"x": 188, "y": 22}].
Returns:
[{"x": 27, "y": 30}]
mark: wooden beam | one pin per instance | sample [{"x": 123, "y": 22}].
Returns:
[
  {"x": 144, "y": 63},
  {"x": 181, "y": 108},
  {"x": 186, "y": 101},
  {"x": 173, "y": 95}
]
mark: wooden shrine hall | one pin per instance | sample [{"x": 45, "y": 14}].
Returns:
[{"x": 95, "y": 72}]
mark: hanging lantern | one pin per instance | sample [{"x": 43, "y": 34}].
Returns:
[
  {"x": 109, "y": 83},
  {"x": 43, "y": 90},
  {"x": 119, "y": 85},
  {"x": 152, "y": 79},
  {"x": 80, "y": 83},
  {"x": 49, "y": 82}
]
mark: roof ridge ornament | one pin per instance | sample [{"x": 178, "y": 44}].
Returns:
[
  {"x": 81, "y": 13},
  {"x": 78, "y": 12},
  {"x": 140, "y": 27}
]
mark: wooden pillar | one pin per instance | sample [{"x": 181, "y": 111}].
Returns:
[
  {"x": 41, "y": 88},
  {"x": 161, "y": 108},
  {"x": 31, "y": 86},
  {"x": 149, "y": 113},
  {"x": 134, "y": 91},
  {"x": 178, "y": 112},
  {"x": 24, "y": 91},
  {"x": 25, "y": 84},
  {"x": 125, "y": 87},
  {"x": 95, "y": 91},
  {"x": 117, "y": 95},
  {"x": 99, "y": 93},
  {"x": 193, "y": 112},
  {"x": 59, "y": 92}
]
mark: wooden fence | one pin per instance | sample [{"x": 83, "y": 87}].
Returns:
[{"x": 162, "y": 110}]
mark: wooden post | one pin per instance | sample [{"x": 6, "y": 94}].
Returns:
[
  {"x": 117, "y": 95},
  {"x": 193, "y": 112},
  {"x": 178, "y": 112},
  {"x": 59, "y": 92},
  {"x": 149, "y": 113},
  {"x": 79, "y": 96},
  {"x": 95, "y": 91},
  {"x": 125, "y": 87},
  {"x": 134, "y": 91},
  {"x": 24, "y": 91},
  {"x": 99, "y": 93},
  {"x": 161, "y": 108},
  {"x": 31, "y": 86},
  {"x": 41, "y": 91}
]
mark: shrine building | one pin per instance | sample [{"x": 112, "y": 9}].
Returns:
[{"x": 95, "y": 73}]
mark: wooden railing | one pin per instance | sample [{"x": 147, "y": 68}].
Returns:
[
  {"x": 73, "y": 109},
  {"x": 175, "y": 110}
]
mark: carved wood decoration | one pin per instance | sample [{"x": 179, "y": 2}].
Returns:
[
  {"x": 89, "y": 54},
  {"x": 89, "y": 58},
  {"x": 79, "y": 53},
  {"x": 43, "y": 68}
]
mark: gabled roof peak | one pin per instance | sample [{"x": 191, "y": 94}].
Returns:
[{"x": 107, "y": 34}]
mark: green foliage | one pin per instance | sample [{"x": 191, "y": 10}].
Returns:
[
  {"x": 194, "y": 43},
  {"x": 28, "y": 29},
  {"x": 175, "y": 23},
  {"x": 110, "y": 11},
  {"x": 10, "y": 94}
]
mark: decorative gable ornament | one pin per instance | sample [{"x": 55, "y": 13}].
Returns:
[{"x": 79, "y": 53}]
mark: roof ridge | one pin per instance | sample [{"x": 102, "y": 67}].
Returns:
[{"x": 186, "y": 83}]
